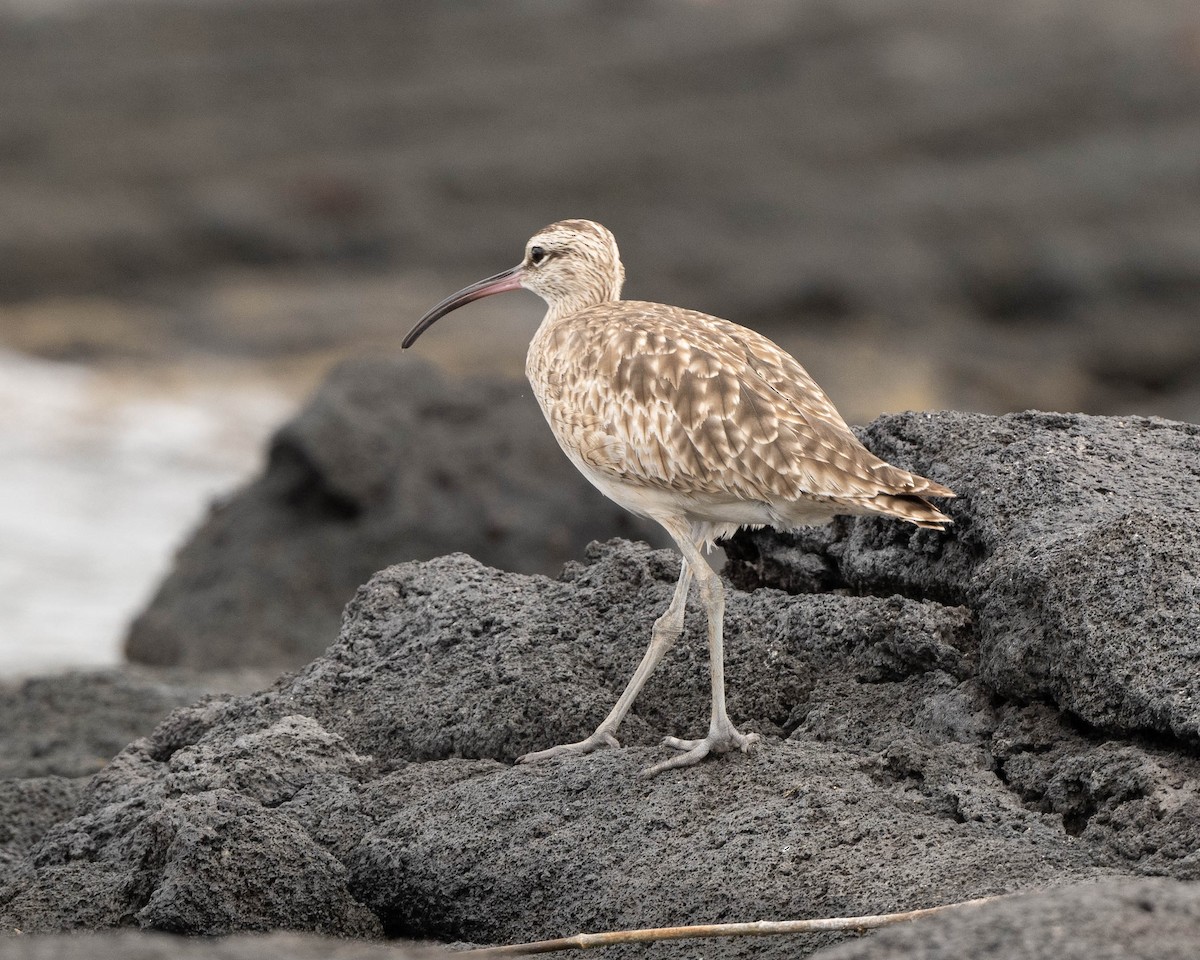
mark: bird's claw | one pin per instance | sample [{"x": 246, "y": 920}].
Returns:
[
  {"x": 601, "y": 738},
  {"x": 693, "y": 751}
]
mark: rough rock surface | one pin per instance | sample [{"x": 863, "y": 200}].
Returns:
[
  {"x": 1076, "y": 546},
  {"x": 1153, "y": 919},
  {"x": 374, "y": 785},
  {"x": 1113, "y": 920},
  {"x": 71, "y": 725},
  {"x": 389, "y": 461},
  {"x": 57, "y": 730},
  {"x": 135, "y": 945},
  {"x": 28, "y": 808}
]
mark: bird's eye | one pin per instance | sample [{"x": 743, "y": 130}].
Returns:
[{"x": 537, "y": 254}]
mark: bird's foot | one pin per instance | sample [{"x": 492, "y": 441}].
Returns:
[
  {"x": 720, "y": 739},
  {"x": 601, "y": 738}
]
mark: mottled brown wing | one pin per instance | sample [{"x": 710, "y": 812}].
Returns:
[{"x": 684, "y": 401}]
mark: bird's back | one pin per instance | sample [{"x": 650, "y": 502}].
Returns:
[{"x": 660, "y": 397}]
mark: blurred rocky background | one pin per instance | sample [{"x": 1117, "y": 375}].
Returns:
[{"x": 986, "y": 207}]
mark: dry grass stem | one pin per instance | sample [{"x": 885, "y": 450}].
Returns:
[{"x": 759, "y": 928}]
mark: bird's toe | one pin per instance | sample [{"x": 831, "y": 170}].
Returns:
[
  {"x": 749, "y": 742},
  {"x": 719, "y": 740},
  {"x": 675, "y": 743},
  {"x": 685, "y": 759},
  {"x": 599, "y": 739}
]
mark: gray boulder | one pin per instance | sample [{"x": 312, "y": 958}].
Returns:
[
  {"x": 389, "y": 461},
  {"x": 72, "y": 724},
  {"x": 28, "y": 808},
  {"x": 136, "y": 945},
  {"x": 1076, "y": 547},
  {"x": 1114, "y": 920},
  {"x": 57, "y": 730}
]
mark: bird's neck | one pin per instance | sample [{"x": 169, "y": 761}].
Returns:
[
  {"x": 561, "y": 309},
  {"x": 567, "y": 304}
]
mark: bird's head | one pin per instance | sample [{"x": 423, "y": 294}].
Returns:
[{"x": 572, "y": 264}]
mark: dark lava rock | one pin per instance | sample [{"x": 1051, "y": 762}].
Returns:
[
  {"x": 1152, "y": 919},
  {"x": 137, "y": 945},
  {"x": 388, "y": 462},
  {"x": 1076, "y": 546},
  {"x": 72, "y": 724},
  {"x": 28, "y": 808},
  {"x": 371, "y": 793},
  {"x": 1113, "y": 920},
  {"x": 57, "y": 730}
]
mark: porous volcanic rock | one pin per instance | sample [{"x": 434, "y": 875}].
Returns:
[
  {"x": 1076, "y": 546},
  {"x": 138, "y": 945},
  {"x": 28, "y": 808},
  {"x": 57, "y": 730},
  {"x": 72, "y": 724},
  {"x": 1153, "y": 919},
  {"x": 1114, "y": 920},
  {"x": 389, "y": 461},
  {"x": 371, "y": 793}
]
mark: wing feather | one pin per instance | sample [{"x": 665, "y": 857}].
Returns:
[{"x": 680, "y": 400}]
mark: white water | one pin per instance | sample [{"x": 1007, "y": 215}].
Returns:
[{"x": 102, "y": 475}]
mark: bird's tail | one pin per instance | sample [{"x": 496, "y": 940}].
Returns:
[
  {"x": 902, "y": 494},
  {"x": 914, "y": 509}
]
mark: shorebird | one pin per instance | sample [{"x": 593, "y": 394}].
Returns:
[{"x": 692, "y": 421}]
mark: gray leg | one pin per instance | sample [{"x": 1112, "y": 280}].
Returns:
[
  {"x": 667, "y": 629},
  {"x": 722, "y": 736}
]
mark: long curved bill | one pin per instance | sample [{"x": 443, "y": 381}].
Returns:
[{"x": 501, "y": 282}]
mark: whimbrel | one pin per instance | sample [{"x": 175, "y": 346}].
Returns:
[{"x": 692, "y": 421}]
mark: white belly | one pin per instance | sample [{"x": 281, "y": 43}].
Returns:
[{"x": 710, "y": 519}]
